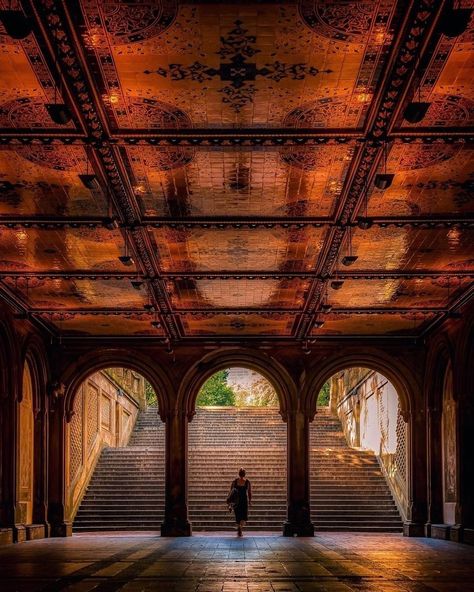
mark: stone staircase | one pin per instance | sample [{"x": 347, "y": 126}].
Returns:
[
  {"x": 223, "y": 439},
  {"x": 127, "y": 489},
  {"x": 348, "y": 489}
]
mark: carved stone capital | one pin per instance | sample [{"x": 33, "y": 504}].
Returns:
[{"x": 57, "y": 392}]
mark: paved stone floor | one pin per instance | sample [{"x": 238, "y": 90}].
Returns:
[{"x": 330, "y": 562}]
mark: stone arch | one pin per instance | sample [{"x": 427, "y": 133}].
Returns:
[
  {"x": 96, "y": 360},
  {"x": 409, "y": 391},
  {"x": 269, "y": 368},
  {"x": 34, "y": 356},
  {"x": 10, "y": 371},
  {"x": 441, "y": 355},
  {"x": 402, "y": 378}
]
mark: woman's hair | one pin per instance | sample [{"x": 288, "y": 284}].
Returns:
[{"x": 241, "y": 472}]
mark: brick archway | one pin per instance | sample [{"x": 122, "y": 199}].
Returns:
[{"x": 269, "y": 368}]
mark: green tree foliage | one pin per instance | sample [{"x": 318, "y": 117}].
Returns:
[
  {"x": 260, "y": 394},
  {"x": 150, "y": 395},
  {"x": 324, "y": 395},
  {"x": 216, "y": 392}
]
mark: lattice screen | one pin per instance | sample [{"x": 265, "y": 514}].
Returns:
[
  {"x": 92, "y": 403},
  {"x": 401, "y": 450},
  {"x": 106, "y": 412},
  {"x": 75, "y": 438}
]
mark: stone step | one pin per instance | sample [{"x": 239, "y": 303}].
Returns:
[{"x": 127, "y": 489}]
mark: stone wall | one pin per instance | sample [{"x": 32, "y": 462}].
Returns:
[
  {"x": 104, "y": 415},
  {"x": 129, "y": 381},
  {"x": 369, "y": 409}
]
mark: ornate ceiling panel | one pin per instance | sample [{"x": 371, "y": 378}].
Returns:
[
  {"x": 434, "y": 178},
  {"x": 235, "y": 294},
  {"x": 85, "y": 324},
  {"x": 26, "y": 84},
  {"x": 374, "y": 324},
  {"x": 271, "y": 325},
  {"x": 58, "y": 294},
  {"x": 44, "y": 180},
  {"x": 170, "y": 64},
  {"x": 269, "y": 182},
  {"x": 233, "y": 146},
  {"x": 448, "y": 82},
  {"x": 411, "y": 294},
  {"x": 411, "y": 249},
  {"x": 30, "y": 249},
  {"x": 274, "y": 249}
]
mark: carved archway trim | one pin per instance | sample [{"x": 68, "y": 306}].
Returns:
[
  {"x": 440, "y": 358},
  {"x": 265, "y": 365},
  {"x": 33, "y": 354},
  {"x": 406, "y": 384},
  {"x": 10, "y": 372},
  {"x": 100, "y": 359}
]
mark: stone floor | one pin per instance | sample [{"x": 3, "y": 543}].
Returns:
[{"x": 330, "y": 562}]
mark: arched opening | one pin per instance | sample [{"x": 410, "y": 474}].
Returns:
[
  {"x": 358, "y": 454},
  {"x": 237, "y": 424},
  {"x": 449, "y": 449},
  {"x": 115, "y": 454},
  {"x": 26, "y": 449}
]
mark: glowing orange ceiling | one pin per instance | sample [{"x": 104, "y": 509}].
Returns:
[{"x": 227, "y": 152}]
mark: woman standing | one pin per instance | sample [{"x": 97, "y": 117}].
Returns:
[{"x": 241, "y": 508}]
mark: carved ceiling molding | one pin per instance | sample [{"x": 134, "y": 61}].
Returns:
[
  {"x": 71, "y": 313},
  {"x": 240, "y": 275},
  {"x": 257, "y": 138},
  {"x": 413, "y": 38},
  {"x": 51, "y": 223}
]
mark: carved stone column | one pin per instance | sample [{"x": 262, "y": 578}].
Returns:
[
  {"x": 299, "y": 514},
  {"x": 40, "y": 494},
  {"x": 59, "y": 526},
  {"x": 176, "y": 510},
  {"x": 466, "y": 467},
  {"x": 434, "y": 469},
  {"x": 8, "y": 435},
  {"x": 417, "y": 494}
]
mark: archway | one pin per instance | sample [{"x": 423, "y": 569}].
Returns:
[
  {"x": 237, "y": 424},
  {"x": 358, "y": 454},
  {"x": 115, "y": 453}
]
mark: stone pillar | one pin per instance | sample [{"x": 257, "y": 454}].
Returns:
[
  {"x": 466, "y": 466},
  {"x": 8, "y": 435},
  {"x": 176, "y": 510},
  {"x": 417, "y": 508},
  {"x": 59, "y": 525},
  {"x": 434, "y": 469},
  {"x": 299, "y": 517},
  {"x": 40, "y": 492}
]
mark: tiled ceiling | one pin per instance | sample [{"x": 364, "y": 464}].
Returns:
[{"x": 226, "y": 152}]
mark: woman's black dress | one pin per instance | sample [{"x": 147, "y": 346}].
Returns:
[{"x": 241, "y": 509}]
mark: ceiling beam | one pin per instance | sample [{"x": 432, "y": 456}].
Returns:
[
  {"x": 231, "y": 138},
  {"x": 361, "y": 274},
  {"x": 237, "y": 311},
  {"x": 222, "y": 222}
]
